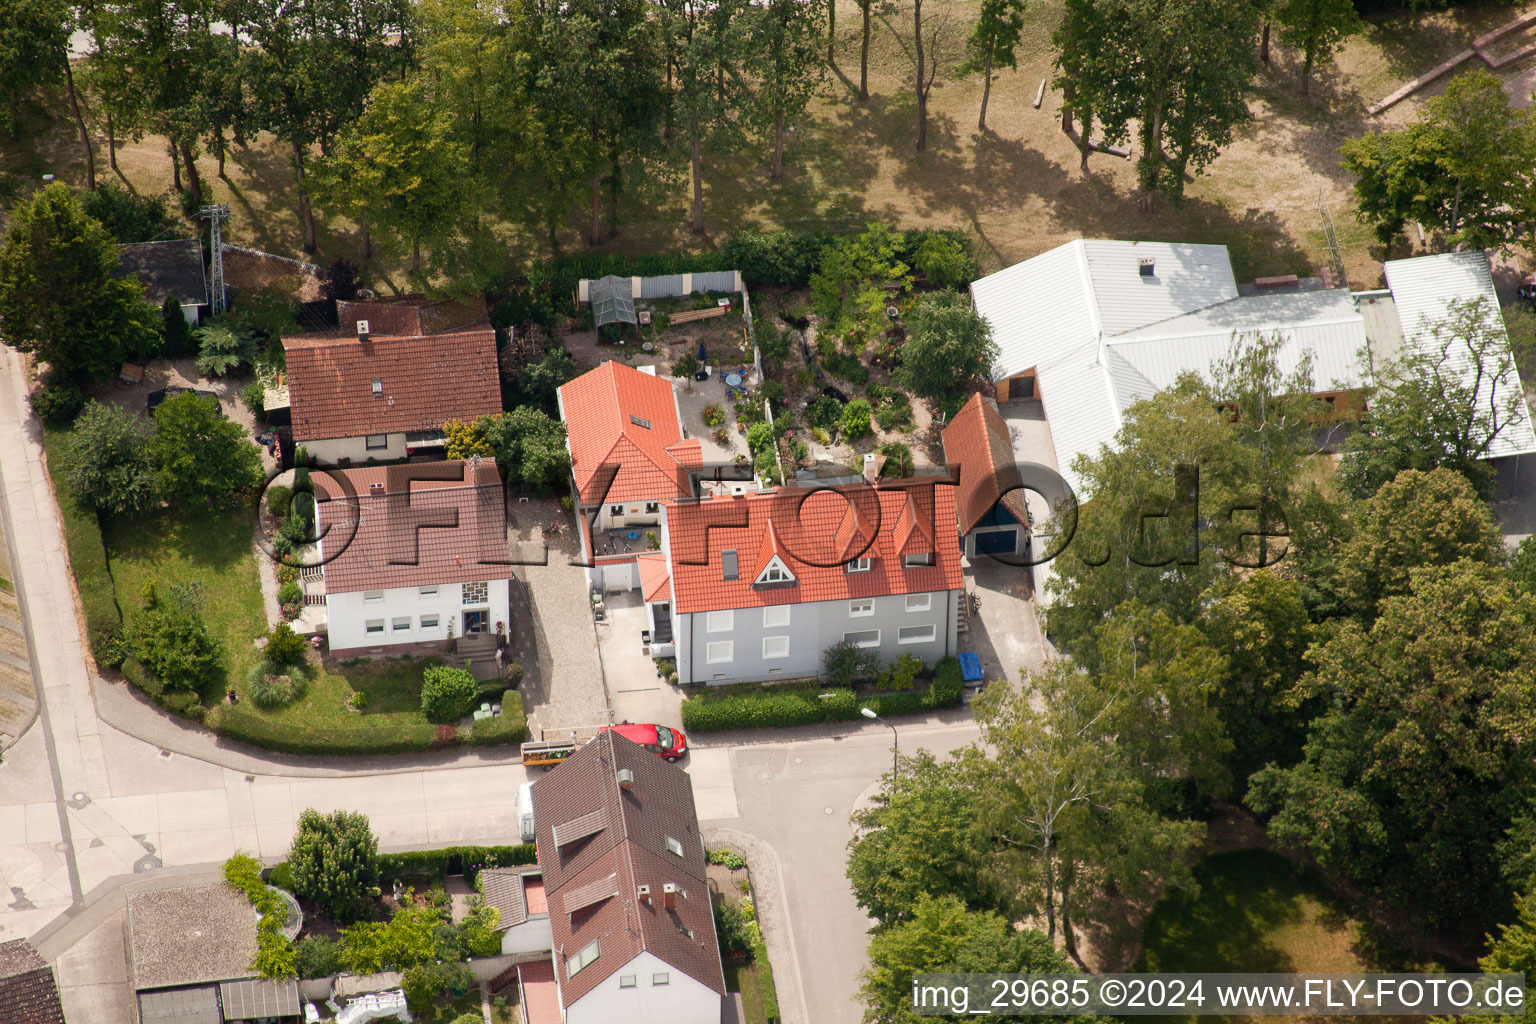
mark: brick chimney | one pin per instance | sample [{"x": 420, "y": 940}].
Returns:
[{"x": 669, "y": 896}]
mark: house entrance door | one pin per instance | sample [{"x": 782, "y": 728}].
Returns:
[{"x": 474, "y": 622}]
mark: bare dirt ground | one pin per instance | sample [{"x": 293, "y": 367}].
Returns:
[{"x": 1016, "y": 187}]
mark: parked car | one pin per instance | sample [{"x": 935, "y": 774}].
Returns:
[
  {"x": 658, "y": 739},
  {"x": 156, "y": 397}
]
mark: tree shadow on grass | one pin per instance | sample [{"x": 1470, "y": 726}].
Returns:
[
  {"x": 1244, "y": 898},
  {"x": 1413, "y": 42}
]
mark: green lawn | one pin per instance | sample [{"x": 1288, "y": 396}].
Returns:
[
  {"x": 746, "y": 980},
  {"x": 209, "y": 548},
  {"x": 1256, "y": 911},
  {"x": 214, "y": 549}
]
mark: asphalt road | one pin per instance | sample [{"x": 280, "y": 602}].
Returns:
[{"x": 88, "y": 809}]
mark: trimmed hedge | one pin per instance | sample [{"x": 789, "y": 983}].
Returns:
[
  {"x": 87, "y": 553},
  {"x": 767, "y": 709},
  {"x": 452, "y": 860},
  {"x": 257, "y": 729}
]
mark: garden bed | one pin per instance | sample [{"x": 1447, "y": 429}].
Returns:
[{"x": 743, "y": 952}]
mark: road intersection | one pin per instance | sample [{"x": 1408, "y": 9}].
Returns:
[{"x": 88, "y": 808}]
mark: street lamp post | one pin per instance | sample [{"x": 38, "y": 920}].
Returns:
[{"x": 895, "y": 741}]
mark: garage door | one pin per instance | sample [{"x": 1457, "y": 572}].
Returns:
[{"x": 998, "y": 542}]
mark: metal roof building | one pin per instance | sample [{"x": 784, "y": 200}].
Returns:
[
  {"x": 1423, "y": 290},
  {"x": 1100, "y": 325}
]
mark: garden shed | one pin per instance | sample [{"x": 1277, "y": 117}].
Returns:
[{"x": 612, "y": 301}]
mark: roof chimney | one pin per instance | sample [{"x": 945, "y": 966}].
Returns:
[
  {"x": 873, "y": 464},
  {"x": 626, "y": 779},
  {"x": 362, "y": 330},
  {"x": 669, "y": 896},
  {"x": 1148, "y": 267}
]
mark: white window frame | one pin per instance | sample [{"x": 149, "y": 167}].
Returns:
[
  {"x": 859, "y": 565},
  {"x": 661, "y": 978},
  {"x": 369, "y": 444},
  {"x": 373, "y": 596},
  {"x": 931, "y": 630},
  {"x": 674, "y": 847},
  {"x": 652, "y": 508},
  {"x": 430, "y": 621},
  {"x": 628, "y": 980},
  {"x": 372, "y": 626},
  {"x": 426, "y": 591},
  {"x": 862, "y": 632},
  {"x": 615, "y": 510},
  {"x": 925, "y": 561},
  {"x": 588, "y": 953},
  {"x": 776, "y": 616},
  {"x": 861, "y": 607},
  {"x": 377, "y": 387},
  {"x": 914, "y": 606},
  {"x": 720, "y": 622},
  {"x": 780, "y": 647},
  {"x": 714, "y": 650},
  {"x": 395, "y": 627},
  {"x": 775, "y": 572}
]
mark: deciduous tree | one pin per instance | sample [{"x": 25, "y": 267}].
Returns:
[
  {"x": 109, "y": 460},
  {"x": 1445, "y": 403},
  {"x": 948, "y": 345},
  {"x": 34, "y": 37},
  {"x": 1316, "y": 28},
  {"x": 990, "y": 47},
  {"x": 918, "y": 837},
  {"x": 403, "y": 167},
  {"x": 1466, "y": 167},
  {"x": 784, "y": 56},
  {"x": 203, "y": 459},
  {"x": 1412, "y": 777},
  {"x": 529, "y": 446},
  {"x": 943, "y": 936},
  {"x": 1179, "y": 72}
]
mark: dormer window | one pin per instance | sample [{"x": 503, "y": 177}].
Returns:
[
  {"x": 378, "y": 386},
  {"x": 859, "y": 565},
  {"x": 775, "y": 572},
  {"x": 917, "y": 561}
]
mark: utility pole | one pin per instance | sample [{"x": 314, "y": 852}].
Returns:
[{"x": 215, "y": 214}]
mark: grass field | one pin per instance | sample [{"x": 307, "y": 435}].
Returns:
[
  {"x": 747, "y": 981},
  {"x": 1015, "y": 188},
  {"x": 214, "y": 550},
  {"x": 1256, "y": 911}
]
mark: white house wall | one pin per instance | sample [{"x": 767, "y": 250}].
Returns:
[
  {"x": 682, "y": 1000},
  {"x": 354, "y": 449},
  {"x": 348, "y": 613},
  {"x": 813, "y": 627}
]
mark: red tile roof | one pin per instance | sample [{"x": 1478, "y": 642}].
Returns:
[
  {"x": 631, "y": 845},
  {"x": 395, "y": 533},
  {"x": 814, "y": 531},
  {"x": 645, "y": 462},
  {"x": 426, "y": 381},
  {"x": 28, "y": 994},
  {"x": 978, "y": 447},
  {"x": 655, "y": 580}
]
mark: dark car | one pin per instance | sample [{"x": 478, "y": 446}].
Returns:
[{"x": 156, "y": 397}]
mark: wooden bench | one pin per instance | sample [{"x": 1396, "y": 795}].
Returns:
[{"x": 687, "y": 316}]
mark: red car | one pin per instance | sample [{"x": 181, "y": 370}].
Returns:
[{"x": 658, "y": 739}]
